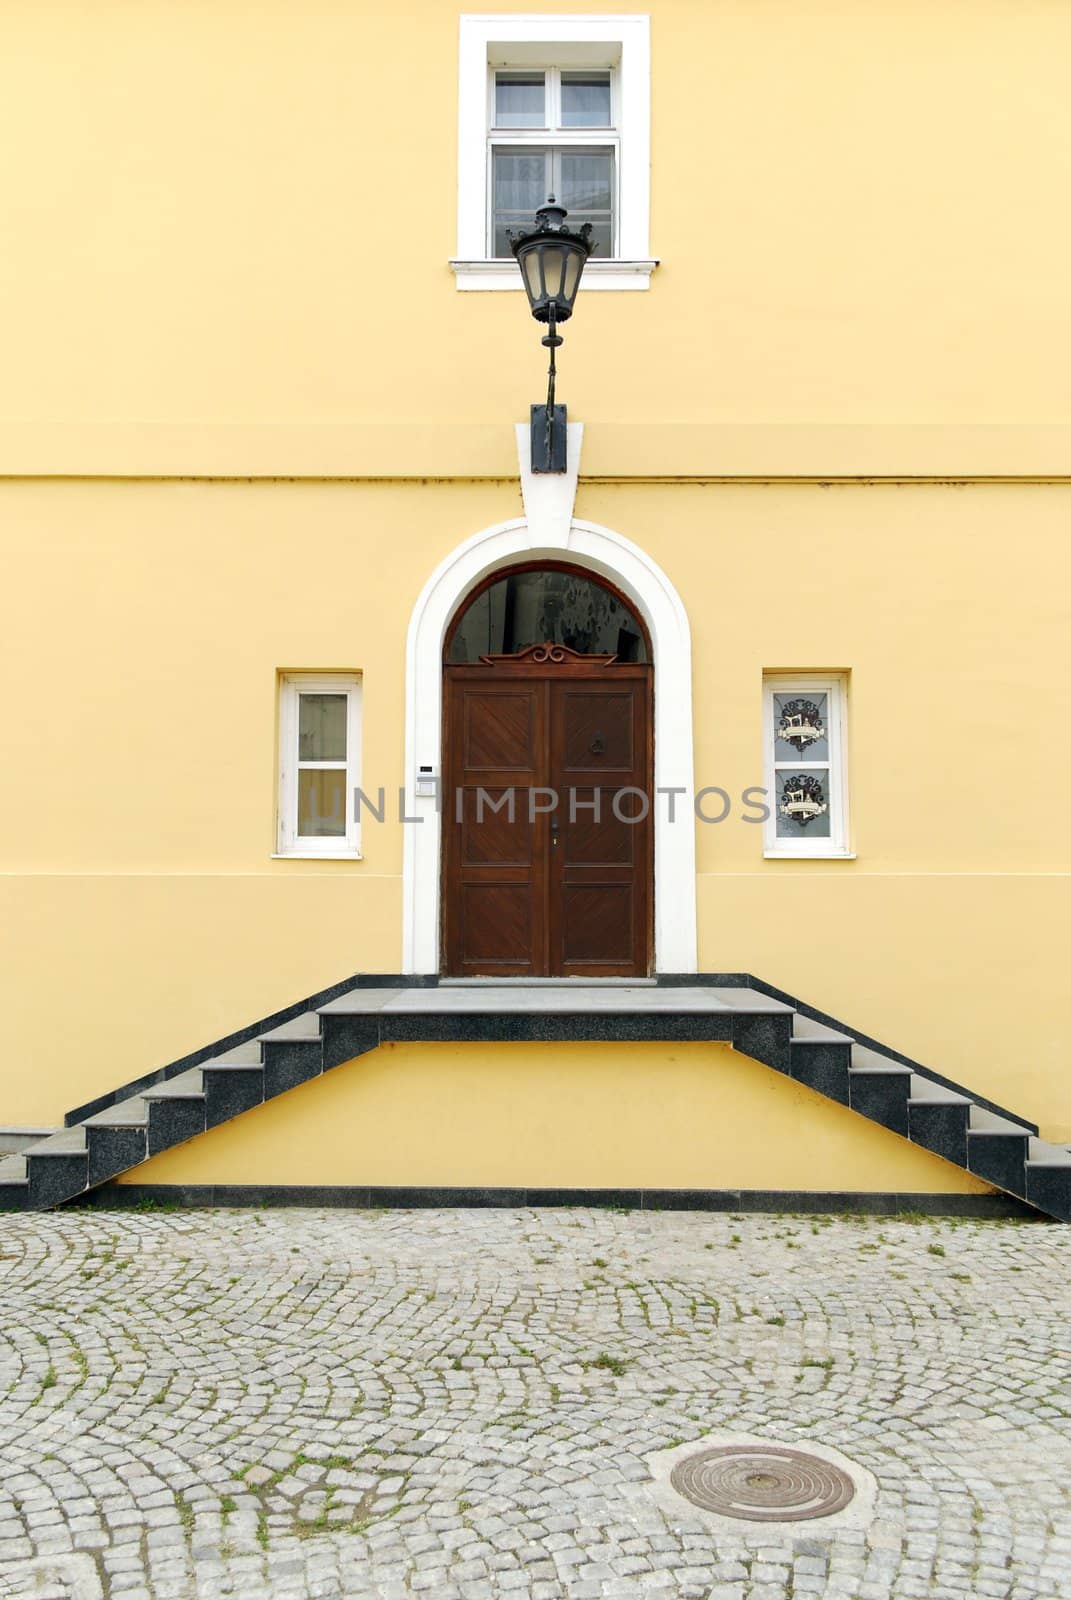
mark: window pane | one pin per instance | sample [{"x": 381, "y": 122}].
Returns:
[
  {"x": 585, "y": 99},
  {"x": 801, "y": 727},
  {"x": 322, "y": 804},
  {"x": 587, "y": 180},
  {"x": 803, "y": 803},
  {"x": 519, "y": 100},
  {"x": 322, "y": 727},
  {"x": 521, "y": 183},
  {"x": 602, "y": 234},
  {"x": 587, "y": 190}
]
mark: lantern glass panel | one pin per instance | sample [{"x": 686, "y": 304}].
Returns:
[
  {"x": 572, "y": 274},
  {"x": 531, "y": 275},
  {"x": 553, "y": 269}
]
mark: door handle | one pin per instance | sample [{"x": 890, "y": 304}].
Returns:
[{"x": 554, "y": 830}]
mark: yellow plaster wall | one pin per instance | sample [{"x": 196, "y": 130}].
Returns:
[
  {"x": 141, "y": 914},
  {"x": 231, "y": 214},
  {"x": 537, "y": 1115}
]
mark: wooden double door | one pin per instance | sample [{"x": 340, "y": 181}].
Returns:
[{"x": 547, "y": 818}]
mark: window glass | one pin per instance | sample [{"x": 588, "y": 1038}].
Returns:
[
  {"x": 585, "y": 99},
  {"x": 554, "y": 607},
  {"x": 583, "y": 181},
  {"x": 587, "y": 191},
  {"x": 520, "y": 100},
  {"x": 322, "y": 803},
  {"x": 803, "y": 803},
  {"x": 521, "y": 183},
  {"x": 322, "y": 727},
  {"x": 801, "y": 727}
]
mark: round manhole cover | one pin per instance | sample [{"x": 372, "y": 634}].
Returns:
[{"x": 762, "y": 1483}]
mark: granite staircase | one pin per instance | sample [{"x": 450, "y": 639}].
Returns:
[{"x": 117, "y": 1133}]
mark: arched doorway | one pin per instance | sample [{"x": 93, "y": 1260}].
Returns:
[{"x": 547, "y": 767}]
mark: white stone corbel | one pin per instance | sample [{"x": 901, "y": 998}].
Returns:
[{"x": 549, "y": 497}]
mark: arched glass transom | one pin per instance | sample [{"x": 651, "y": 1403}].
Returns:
[{"x": 546, "y": 605}]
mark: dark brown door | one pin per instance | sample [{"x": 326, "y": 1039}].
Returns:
[{"x": 546, "y": 825}]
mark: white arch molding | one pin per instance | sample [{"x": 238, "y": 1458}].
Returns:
[{"x": 609, "y": 555}]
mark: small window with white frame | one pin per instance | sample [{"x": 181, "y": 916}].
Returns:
[
  {"x": 806, "y": 774},
  {"x": 554, "y": 104},
  {"x": 319, "y": 764}
]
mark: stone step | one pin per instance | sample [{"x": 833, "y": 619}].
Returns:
[
  {"x": 14, "y": 1184},
  {"x": 132, "y": 1113},
  {"x": 118, "y": 1139},
  {"x": 1048, "y": 1178},
  {"x": 176, "y": 1110},
  {"x": 997, "y": 1149},
  {"x": 879, "y": 1088},
  {"x": 57, "y": 1168},
  {"x": 821, "y": 1057},
  {"x": 230, "y": 1087},
  {"x": 13, "y": 1140},
  {"x": 243, "y": 1055},
  {"x": 938, "y": 1118},
  {"x": 295, "y": 1052}
]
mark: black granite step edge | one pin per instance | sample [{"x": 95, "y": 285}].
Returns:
[{"x": 112, "y": 1196}]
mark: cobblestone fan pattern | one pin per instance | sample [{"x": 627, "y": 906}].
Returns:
[{"x": 459, "y": 1404}]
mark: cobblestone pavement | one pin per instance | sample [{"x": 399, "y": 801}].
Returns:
[{"x": 460, "y": 1404}]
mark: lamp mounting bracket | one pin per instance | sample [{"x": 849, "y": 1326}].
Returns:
[{"x": 548, "y": 439}]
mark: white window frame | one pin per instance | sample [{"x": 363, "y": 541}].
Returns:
[
  {"x": 289, "y": 843},
  {"x": 835, "y": 686},
  {"x": 489, "y": 42}
]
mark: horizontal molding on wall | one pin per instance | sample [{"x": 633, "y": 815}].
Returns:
[{"x": 612, "y": 450}]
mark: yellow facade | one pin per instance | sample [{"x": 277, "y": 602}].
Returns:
[{"x": 246, "y": 413}]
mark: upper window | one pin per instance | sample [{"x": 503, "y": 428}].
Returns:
[
  {"x": 319, "y": 753},
  {"x": 554, "y": 105},
  {"x": 546, "y": 605},
  {"x": 552, "y": 132},
  {"x": 806, "y": 767}
]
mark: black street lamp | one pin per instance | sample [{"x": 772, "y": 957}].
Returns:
[{"x": 551, "y": 258}]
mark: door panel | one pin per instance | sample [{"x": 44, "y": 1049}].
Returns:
[
  {"x": 596, "y": 926},
  {"x": 494, "y": 827},
  {"x": 566, "y": 893},
  {"x": 600, "y": 861},
  {"x": 597, "y": 730},
  {"x": 496, "y": 924},
  {"x": 494, "y": 868},
  {"x": 500, "y": 729},
  {"x": 591, "y": 834}
]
